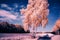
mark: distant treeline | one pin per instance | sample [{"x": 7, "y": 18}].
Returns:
[{"x": 5, "y": 27}]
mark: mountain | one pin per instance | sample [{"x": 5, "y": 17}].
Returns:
[{"x": 5, "y": 27}]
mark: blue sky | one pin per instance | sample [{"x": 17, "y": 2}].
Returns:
[{"x": 12, "y": 8}]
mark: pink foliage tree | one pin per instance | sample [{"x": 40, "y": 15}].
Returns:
[{"x": 35, "y": 14}]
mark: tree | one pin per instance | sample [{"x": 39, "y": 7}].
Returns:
[
  {"x": 56, "y": 27},
  {"x": 35, "y": 14}
]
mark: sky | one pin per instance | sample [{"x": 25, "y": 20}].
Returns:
[{"x": 10, "y": 12}]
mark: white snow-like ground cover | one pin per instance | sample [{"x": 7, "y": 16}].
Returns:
[
  {"x": 26, "y": 36},
  {"x": 56, "y": 37}
]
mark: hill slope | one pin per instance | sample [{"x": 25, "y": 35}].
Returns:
[{"x": 5, "y": 27}]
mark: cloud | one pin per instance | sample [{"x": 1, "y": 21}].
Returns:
[
  {"x": 6, "y": 6},
  {"x": 16, "y": 5},
  {"x": 9, "y": 8},
  {"x": 22, "y": 6},
  {"x": 7, "y": 14}
]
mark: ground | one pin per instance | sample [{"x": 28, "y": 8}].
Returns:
[{"x": 27, "y": 36}]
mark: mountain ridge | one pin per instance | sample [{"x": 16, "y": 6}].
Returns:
[{"x": 5, "y": 27}]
